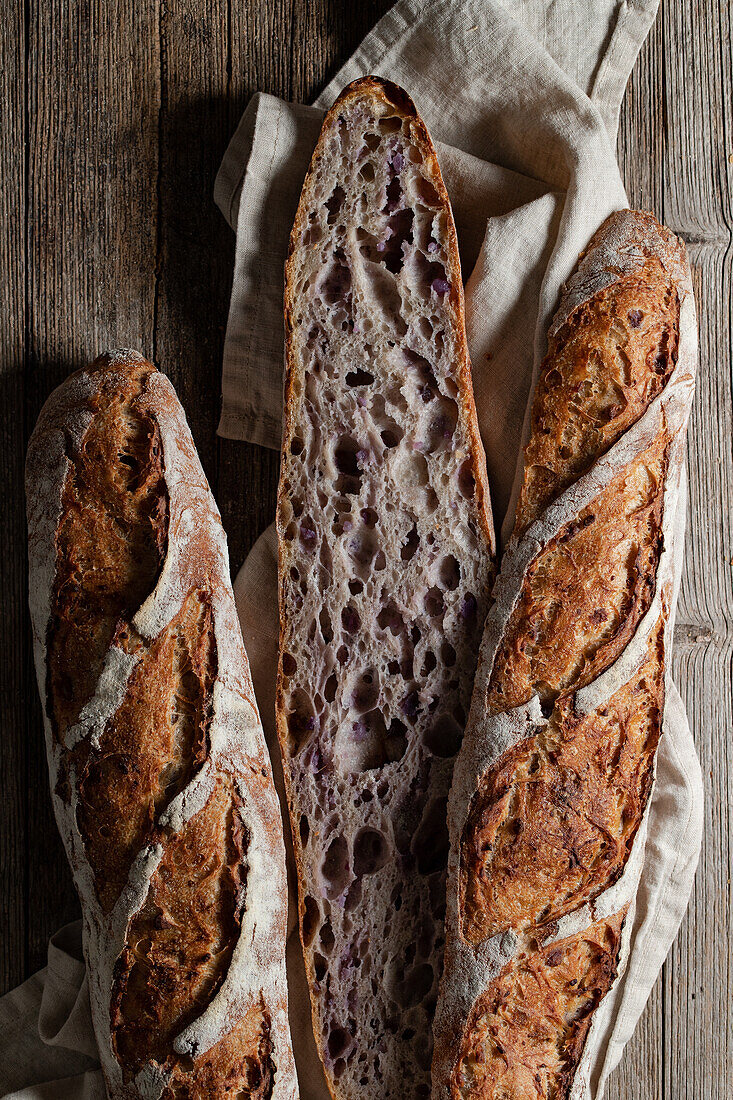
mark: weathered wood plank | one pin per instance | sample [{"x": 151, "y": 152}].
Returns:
[
  {"x": 698, "y": 179},
  {"x": 681, "y": 124},
  {"x": 13, "y": 915},
  {"x": 94, "y": 96},
  {"x": 195, "y": 247}
]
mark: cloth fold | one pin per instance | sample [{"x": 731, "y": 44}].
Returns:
[{"x": 522, "y": 98}]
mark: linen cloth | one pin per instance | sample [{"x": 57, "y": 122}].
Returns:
[{"x": 522, "y": 98}]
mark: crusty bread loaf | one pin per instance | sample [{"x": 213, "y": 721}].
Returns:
[
  {"x": 385, "y": 565},
  {"x": 160, "y": 777},
  {"x": 547, "y": 813}
]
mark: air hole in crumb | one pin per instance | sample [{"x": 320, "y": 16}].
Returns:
[
  {"x": 410, "y": 705},
  {"x": 334, "y": 203},
  {"x": 396, "y": 740},
  {"x": 391, "y": 438},
  {"x": 369, "y": 516},
  {"x": 393, "y": 243},
  {"x": 359, "y": 377},
  {"x": 324, "y": 620},
  {"x": 311, "y": 919},
  {"x": 389, "y": 618},
  {"x": 429, "y": 663},
  {"x": 366, "y": 691},
  {"x": 335, "y": 867},
  {"x": 335, "y": 284},
  {"x": 434, "y": 604},
  {"x": 367, "y": 172},
  {"x": 380, "y": 560},
  {"x": 370, "y": 852},
  {"x": 449, "y": 573},
  {"x": 356, "y": 587},
  {"x": 427, "y": 192},
  {"x": 301, "y": 720},
  {"x": 345, "y": 457},
  {"x": 447, "y": 654},
  {"x": 466, "y": 480},
  {"x": 320, "y": 966},
  {"x": 296, "y": 446},
  {"x": 390, "y": 124},
  {"x": 290, "y": 665},
  {"x": 363, "y": 546},
  {"x": 327, "y": 937},
  {"x": 430, "y": 843},
  {"x": 410, "y": 545},
  {"x": 353, "y": 897},
  {"x": 443, "y": 738},
  {"x": 339, "y": 1041},
  {"x": 425, "y": 329},
  {"x": 304, "y": 830},
  {"x": 441, "y": 426},
  {"x": 394, "y": 195},
  {"x": 350, "y": 619},
  {"x": 468, "y": 607},
  {"x": 383, "y": 292},
  {"x": 331, "y": 686}
]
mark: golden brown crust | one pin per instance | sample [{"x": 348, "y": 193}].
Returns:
[
  {"x": 527, "y": 1032},
  {"x": 159, "y": 769},
  {"x": 179, "y": 945},
  {"x": 247, "y": 1076},
  {"x": 603, "y": 367},
  {"x": 557, "y": 770},
  {"x": 111, "y": 535},
  {"x": 585, "y": 593},
  {"x": 151, "y": 747},
  {"x": 556, "y": 815}
]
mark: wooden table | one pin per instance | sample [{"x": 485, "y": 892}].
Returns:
[{"x": 115, "y": 118}]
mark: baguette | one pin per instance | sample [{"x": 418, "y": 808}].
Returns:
[
  {"x": 548, "y": 811},
  {"x": 385, "y": 563},
  {"x": 160, "y": 778}
]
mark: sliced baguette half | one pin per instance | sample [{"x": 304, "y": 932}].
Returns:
[{"x": 386, "y": 557}]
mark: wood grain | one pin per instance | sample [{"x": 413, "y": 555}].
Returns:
[
  {"x": 14, "y": 688},
  {"x": 698, "y": 175},
  {"x": 115, "y": 118},
  {"x": 677, "y": 109}
]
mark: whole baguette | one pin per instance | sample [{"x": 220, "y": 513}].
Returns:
[
  {"x": 385, "y": 561},
  {"x": 160, "y": 778},
  {"x": 549, "y": 805}
]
